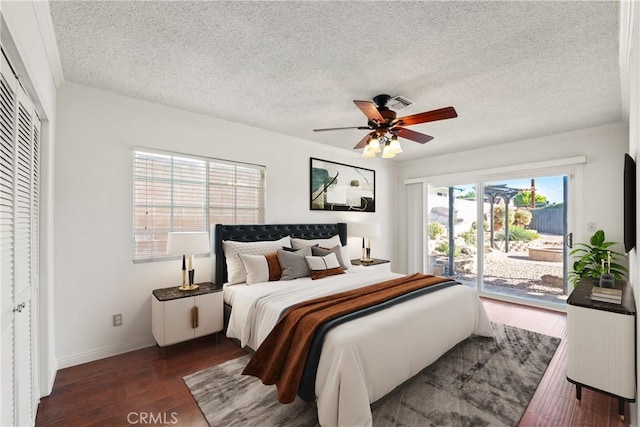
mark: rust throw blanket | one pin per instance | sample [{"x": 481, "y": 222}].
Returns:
[{"x": 281, "y": 358}]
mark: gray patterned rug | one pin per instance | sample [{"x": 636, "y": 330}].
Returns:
[{"x": 480, "y": 382}]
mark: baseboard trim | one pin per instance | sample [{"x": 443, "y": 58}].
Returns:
[{"x": 90, "y": 356}]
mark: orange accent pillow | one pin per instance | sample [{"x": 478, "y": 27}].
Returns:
[
  {"x": 320, "y": 274},
  {"x": 275, "y": 271}
]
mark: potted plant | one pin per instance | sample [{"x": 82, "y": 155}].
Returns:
[
  {"x": 498, "y": 217},
  {"x": 592, "y": 257}
]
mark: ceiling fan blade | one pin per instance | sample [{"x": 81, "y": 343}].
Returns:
[
  {"x": 370, "y": 110},
  {"x": 363, "y": 142},
  {"x": 412, "y": 135},
  {"x": 348, "y": 127},
  {"x": 429, "y": 116}
]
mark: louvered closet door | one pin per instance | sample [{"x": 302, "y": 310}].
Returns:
[
  {"x": 7, "y": 228},
  {"x": 20, "y": 135}
]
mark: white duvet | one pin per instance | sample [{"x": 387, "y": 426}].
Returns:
[{"x": 364, "y": 359}]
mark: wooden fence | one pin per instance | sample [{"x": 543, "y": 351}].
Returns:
[{"x": 548, "y": 221}]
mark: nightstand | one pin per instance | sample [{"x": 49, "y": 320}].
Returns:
[
  {"x": 601, "y": 343},
  {"x": 375, "y": 263},
  {"x": 178, "y": 316}
]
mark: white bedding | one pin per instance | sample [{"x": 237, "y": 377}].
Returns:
[{"x": 364, "y": 359}]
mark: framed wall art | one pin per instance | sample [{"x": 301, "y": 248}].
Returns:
[{"x": 341, "y": 187}]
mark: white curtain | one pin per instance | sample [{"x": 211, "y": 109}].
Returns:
[{"x": 415, "y": 227}]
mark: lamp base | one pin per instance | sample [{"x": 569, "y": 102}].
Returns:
[
  {"x": 188, "y": 287},
  {"x": 366, "y": 260}
]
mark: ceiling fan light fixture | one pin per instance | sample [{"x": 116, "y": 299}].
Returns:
[
  {"x": 368, "y": 153},
  {"x": 374, "y": 144},
  {"x": 394, "y": 146},
  {"x": 387, "y": 153}
]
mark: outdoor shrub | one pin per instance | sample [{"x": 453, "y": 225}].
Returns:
[
  {"x": 469, "y": 236},
  {"x": 435, "y": 230},
  {"x": 498, "y": 215},
  {"x": 522, "y": 217},
  {"x": 554, "y": 206},
  {"x": 524, "y": 199},
  {"x": 443, "y": 248},
  {"x": 520, "y": 233},
  {"x": 485, "y": 225}
]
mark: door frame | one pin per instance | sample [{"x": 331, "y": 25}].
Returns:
[{"x": 572, "y": 167}]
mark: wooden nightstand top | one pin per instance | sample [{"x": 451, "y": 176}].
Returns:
[
  {"x": 374, "y": 261},
  {"x": 167, "y": 294}
]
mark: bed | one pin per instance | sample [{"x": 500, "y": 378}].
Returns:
[{"x": 366, "y": 358}]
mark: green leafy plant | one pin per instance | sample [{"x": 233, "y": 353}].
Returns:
[
  {"x": 517, "y": 232},
  {"x": 522, "y": 217},
  {"x": 485, "y": 225},
  {"x": 524, "y": 199},
  {"x": 443, "y": 248},
  {"x": 498, "y": 215},
  {"x": 591, "y": 258},
  {"x": 435, "y": 230},
  {"x": 469, "y": 236}
]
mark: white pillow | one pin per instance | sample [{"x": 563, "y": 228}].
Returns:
[
  {"x": 338, "y": 250},
  {"x": 324, "y": 243},
  {"x": 346, "y": 257},
  {"x": 258, "y": 268},
  {"x": 323, "y": 266},
  {"x": 322, "y": 262},
  {"x": 236, "y": 272}
]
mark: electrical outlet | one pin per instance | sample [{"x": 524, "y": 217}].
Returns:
[
  {"x": 591, "y": 227},
  {"x": 117, "y": 319}
]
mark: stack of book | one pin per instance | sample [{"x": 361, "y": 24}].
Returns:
[{"x": 606, "y": 295}]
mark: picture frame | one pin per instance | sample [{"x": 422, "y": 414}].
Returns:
[{"x": 341, "y": 187}]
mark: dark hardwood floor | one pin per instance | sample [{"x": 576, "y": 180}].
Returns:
[{"x": 143, "y": 386}]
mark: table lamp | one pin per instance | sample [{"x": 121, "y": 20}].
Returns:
[
  {"x": 366, "y": 230},
  {"x": 191, "y": 243}
]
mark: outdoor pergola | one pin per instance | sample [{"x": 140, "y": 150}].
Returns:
[{"x": 493, "y": 193}]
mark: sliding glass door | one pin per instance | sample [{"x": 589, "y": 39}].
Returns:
[
  {"x": 452, "y": 231},
  {"x": 525, "y": 251},
  {"x": 502, "y": 236}
]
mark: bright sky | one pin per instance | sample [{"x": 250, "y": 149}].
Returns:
[{"x": 550, "y": 186}]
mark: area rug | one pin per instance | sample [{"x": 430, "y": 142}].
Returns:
[{"x": 480, "y": 382}]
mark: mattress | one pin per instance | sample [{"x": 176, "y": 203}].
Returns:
[{"x": 354, "y": 368}]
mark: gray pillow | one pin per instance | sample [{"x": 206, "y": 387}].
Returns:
[
  {"x": 294, "y": 264},
  {"x": 316, "y": 251}
]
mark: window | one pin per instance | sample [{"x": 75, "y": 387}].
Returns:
[{"x": 175, "y": 192}]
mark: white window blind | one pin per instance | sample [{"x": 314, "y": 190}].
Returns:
[{"x": 174, "y": 192}]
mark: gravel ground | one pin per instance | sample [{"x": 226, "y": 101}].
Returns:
[{"x": 515, "y": 270}]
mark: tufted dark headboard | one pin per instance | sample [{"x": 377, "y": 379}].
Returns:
[{"x": 265, "y": 232}]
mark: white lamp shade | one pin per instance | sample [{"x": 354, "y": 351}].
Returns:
[
  {"x": 368, "y": 153},
  {"x": 395, "y": 147},
  {"x": 364, "y": 229},
  {"x": 387, "y": 153},
  {"x": 374, "y": 144},
  {"x": 188, "y": 243}
]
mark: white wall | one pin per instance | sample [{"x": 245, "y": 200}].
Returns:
[
  {"x": 27, "y": 36},
  {"x": 94, "y": 272},
  {"x": 603, "y": 146},
  {"x": 630, "y": 71}
]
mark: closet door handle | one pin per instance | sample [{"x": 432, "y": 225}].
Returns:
[{"x": 570, "y": 240}]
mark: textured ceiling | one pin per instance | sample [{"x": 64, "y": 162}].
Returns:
[{"x": 513, "y": 70}]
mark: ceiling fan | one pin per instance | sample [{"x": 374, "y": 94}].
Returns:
[{"x": 385, "y": 127}]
